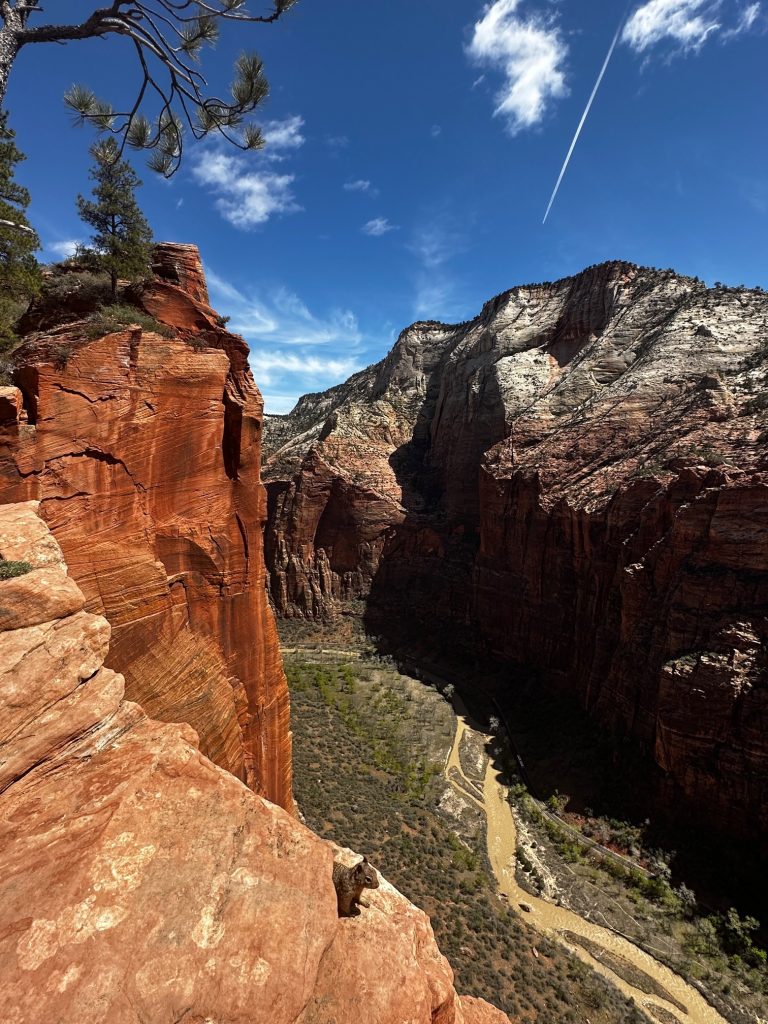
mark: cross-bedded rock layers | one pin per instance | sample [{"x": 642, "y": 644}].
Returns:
[
  {"x": 143, "y": 446},
  {"x": 141, "y": 882}
]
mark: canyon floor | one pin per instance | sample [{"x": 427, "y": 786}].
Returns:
[{"x": 386, "y": 765}]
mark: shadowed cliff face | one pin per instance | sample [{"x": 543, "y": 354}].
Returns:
[
  {"x": 575, "y": 482},
  {"x": 141, "y": 882},
  {"x": 144, "y": 452}
]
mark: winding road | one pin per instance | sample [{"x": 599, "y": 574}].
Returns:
[{"x": 673, "y": 1000}]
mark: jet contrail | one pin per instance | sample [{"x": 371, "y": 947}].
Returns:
[{"x": 585, "y": 115}]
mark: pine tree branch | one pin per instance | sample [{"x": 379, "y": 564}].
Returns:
[
  {"x": 100, "y": 23},
  {"x": 165, "y": 33}
]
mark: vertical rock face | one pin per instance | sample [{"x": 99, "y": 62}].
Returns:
[
  {"x": 140, "y": 882},
  {"x": 575, "y": 481},
  {"x": 143, "y": 449}
]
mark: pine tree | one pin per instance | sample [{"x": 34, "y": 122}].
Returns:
[
  {"x": 19, "y": 272},
  {"x": 122, "y": 238}
]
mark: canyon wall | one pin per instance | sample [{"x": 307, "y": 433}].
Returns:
[
  {"x": 143, "y": 446},
  {"x": 575, "y": 482},
  {"x": 141, "y": 882}
]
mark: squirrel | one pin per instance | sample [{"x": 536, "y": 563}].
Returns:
[{"x": 349, "y": 884}]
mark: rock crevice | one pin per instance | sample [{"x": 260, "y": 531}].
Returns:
[{"x": 144, "y": 452}]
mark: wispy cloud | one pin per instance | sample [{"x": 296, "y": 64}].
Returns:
[
  {"x": 747, "y": 20},
  {"x": 436, "y": 131},
  {"x": 529, "y": 50},
  {"x": 361, "y": 185},
  {"x": 247, "y": 196},
  {"x": 437, "y": 294},
  {"x": 282, "y": 135},
  {"x": 688, "y": 24},
  {"x": 272, "y": 368},
  {"x": 755, "y": 192},
  {"x": 248, "y": 192},
  {"x": 281, "y": 317},
  {"x": 63, "y": 250},
  {"x": 293, "y": 350},
  {"x": 378, "y": 226}
]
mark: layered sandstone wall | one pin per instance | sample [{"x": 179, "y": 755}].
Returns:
[
  {"x": 141, "y": 882},
  {"x": 144, "y": 451},
  {"x": 577, "y": 484}
]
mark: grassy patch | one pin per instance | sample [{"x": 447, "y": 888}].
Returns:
[
  {"x": 10, "y": 570},
  {"x": 116, "y": 317},
  {"x": 369, "y": 750}
]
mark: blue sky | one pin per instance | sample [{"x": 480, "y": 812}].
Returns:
[{"x": 414, "y": 145}]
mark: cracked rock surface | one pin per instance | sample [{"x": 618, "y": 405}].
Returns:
[
  {"x": 141, "y": 882},
  {"x": 144, "y": 452}
]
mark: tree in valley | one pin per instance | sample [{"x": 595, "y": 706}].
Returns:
[
  {"x": 19, "y": 272},
  {"x": 122, "y": 239},
  {"x": 167, "y": 38}
]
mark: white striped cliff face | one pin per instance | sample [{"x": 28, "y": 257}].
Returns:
[{"x": 576, "y": 480}]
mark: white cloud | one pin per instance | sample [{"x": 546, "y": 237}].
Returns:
[
  {"x": 438, "y": 296},
  {"x": 285, "y": 134},
  {"x": 293, "y": 350},
  {"x": 269, "y": 366},
  {"x": 687, "y": 23},
  {"x": 247, "y": 197},
  {"x": 63, "y": 250},
  {"x": 361, "y": 185},
  {"x": 749, "y": 15},
  {"x": 378, "y": 226},
  {"x": 436, "y": 131},
  {"x": 336, "y": 142},
  {"x": 530, "y": 52},
  {"x": 281, "y": 317},
  {"x": 436, "y": 243},
  {"x": 279, "y": 404}
]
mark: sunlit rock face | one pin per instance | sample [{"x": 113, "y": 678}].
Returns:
[
  {"x": 575, "y": 481},
  {"x": 144, "y": 452},
  {"x": 141, "y": 882}
]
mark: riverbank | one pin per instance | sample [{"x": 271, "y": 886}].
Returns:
[{"x": 663, "y": 994}]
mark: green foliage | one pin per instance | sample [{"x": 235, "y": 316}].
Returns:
[
  {"x": 9, "y": 569},
  {"x": 340, "y": 712},
  {"x": 737, "y": 936},
  {"x": 19, "y": 271},
  {"x": 705, "y": 454},
  {"x": 176, "y": 42},
  {"x": 118, "y": 316},
  {"x": 122, "y": 238}
]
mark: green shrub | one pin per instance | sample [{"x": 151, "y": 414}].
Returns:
[
  {"x": 114, "y": 318},
  {"x": 10, "y": 569}
]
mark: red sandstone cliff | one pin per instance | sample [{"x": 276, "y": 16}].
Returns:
[
  {"x": 144, "y": 452},
  {"x": 140, "y": 882},
  {"x": 577, "y": 480}
]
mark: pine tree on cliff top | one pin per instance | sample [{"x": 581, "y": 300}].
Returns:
[
  {"x": 122, "y": 238},
  {"x": 19, "y": 272}
]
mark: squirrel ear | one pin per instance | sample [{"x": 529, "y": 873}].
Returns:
[{"x": 364, "y": 860}]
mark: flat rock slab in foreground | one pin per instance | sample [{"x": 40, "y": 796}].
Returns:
[{"x": 140, "y": 882}]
